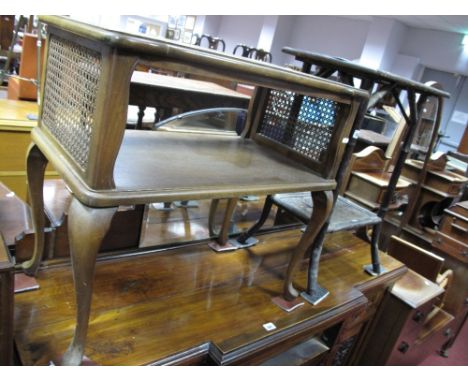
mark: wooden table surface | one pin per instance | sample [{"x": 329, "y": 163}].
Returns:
[
  {"x": 192, "y": 165},
  {"x": 15, "y": 113},
  {"x": 150, "y": 307}
]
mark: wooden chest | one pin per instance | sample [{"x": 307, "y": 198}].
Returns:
[
  {"x": 405, "y": 330},
  {"x": 369, "y": 189},
  {"x": 446, "y": 182},
  {"x": 452, "y": 236}
]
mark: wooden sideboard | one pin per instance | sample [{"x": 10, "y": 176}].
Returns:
[
  {"x": 6, "y": 304},
  {"x": 403, "y": 334},
  {"x": 189, "y": 306}
]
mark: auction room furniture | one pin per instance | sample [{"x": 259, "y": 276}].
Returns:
[
  {"x": 325, "y": 66},
  {"x": 434, "y": 187},
  {"x": 189, "y": 306},
  {"x": 82, "y": 133},
  {"x": 244, "y": 50},
  {"x": 413, "y": 321},
  {"x": 260, "y": 55},
  {"x": 6, "y": 304},
  {"x": 451, "y": 243},
  {"x": 211, "y": 42},
  {"x": 24, "y": 87},
  {"x": 17, "y": 118}
]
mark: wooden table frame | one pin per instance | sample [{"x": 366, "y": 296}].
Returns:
[{"x": 98, "y": 160}]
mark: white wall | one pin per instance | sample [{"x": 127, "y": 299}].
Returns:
[
  {"x": 236, "y": 30},
  {"x": 332, "y": 35},
  {"x": 392, "y": 49},
  {"x": 211, "y": 25},
  {"x": 406, "y": 66},
  {"x": 281, "y": 39},
  {"x": 436, "y": 49}
]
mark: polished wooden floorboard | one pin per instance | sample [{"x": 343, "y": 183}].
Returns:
[{"x": 149, "y": 307}]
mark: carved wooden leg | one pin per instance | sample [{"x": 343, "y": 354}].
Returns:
[
  {"x": 227, "y": 221},
  {"x": 223, "y": 232},
  {"x": 86, "y": 229},
  {"x": 36, "y": 165},
  {"x": 323, "y": 203},
  {"x": 212, "y": 216},
  {"x": 259, "y": 224}
]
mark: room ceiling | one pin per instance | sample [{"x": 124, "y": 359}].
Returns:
[{"x": 456, "y": 24}]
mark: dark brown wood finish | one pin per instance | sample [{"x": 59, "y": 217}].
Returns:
[
  {"x": 143, "y": 312},
  {"x": 402, "y": 334},
  {"x": 6, "y": 304}
]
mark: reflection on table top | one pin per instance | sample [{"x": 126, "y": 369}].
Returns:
[{"x": 159, "y": 81}]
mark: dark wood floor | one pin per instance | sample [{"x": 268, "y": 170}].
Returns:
[{"x": 149, "y": 307}]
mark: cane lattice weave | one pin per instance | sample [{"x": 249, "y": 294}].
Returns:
[
  {"x": 305, "y": 124},
  {"x": 70, "y": 91}
]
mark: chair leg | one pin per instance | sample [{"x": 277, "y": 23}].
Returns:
[
  {"x": 86, "y": 229},
  {"x": 211, "y": 217},
  {"x": 223, "y": 235},
  {"x": 261, "y": 221},
  {"x": 36, "y": 164},
  {"x": 375, "y": 268},
  {"x": 323, "y": 203}
]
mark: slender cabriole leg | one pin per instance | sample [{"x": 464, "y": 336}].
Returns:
[
  {"x": 36, "y": 165},
  {"x": 227, "y": 221},
  {"x": 323, "y": 203},
  {"x": 86, "y": 229},
  {"x": 211, "y": 217}
]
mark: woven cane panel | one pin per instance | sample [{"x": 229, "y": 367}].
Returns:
[
  {"x": 308, "y": 130},
  {"x": 71, "y": 86}
]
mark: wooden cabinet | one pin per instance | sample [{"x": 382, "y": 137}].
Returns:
[
  {"x": 17, "y": 118},
  {"x": 6, "y": 304},
  {"x": 452, "y": 236},
  {"x": 407, "y": 328},
  {"x": 190, "y": 306}
]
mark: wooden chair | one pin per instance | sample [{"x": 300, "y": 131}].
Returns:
[
  {"x": 81, "y": 131},
  {"x": 261, "y": 55},
  {"x": 244, "y": 50},
  {"x": 212, "y": 42},
  {"x": 425, "y": 263}
]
